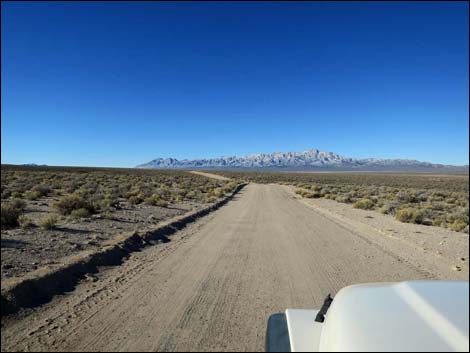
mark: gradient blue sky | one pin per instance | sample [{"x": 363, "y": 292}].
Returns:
[{"x": 118, "y": 84}]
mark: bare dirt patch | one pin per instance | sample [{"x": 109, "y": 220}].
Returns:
[{"x": 25, "y": 250}]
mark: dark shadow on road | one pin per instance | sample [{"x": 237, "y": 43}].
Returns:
[{"x": 12, "y": 244}]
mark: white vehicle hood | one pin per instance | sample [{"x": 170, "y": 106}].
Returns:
[{"x": 407, "y": 316}]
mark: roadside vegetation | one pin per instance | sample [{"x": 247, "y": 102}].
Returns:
[
  {"x": 438, "y": 200},
  {"x": 78, "y": 193}
]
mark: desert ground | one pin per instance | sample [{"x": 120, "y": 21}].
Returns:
[
  {"x": 213, "y": 286},
  {"x": 91, "y": 208}
]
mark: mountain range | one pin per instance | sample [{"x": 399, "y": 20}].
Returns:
[{"x": 311, "y": 159}]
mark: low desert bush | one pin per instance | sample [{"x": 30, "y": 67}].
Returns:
[
  {"x": 409, "y": 215},
  {"x": 9, "y": 215},
  {"x": 438, "y": 206},
  {"x": 308, "y": 194},
  {"x": 162, "y": 203},
  {"x": 49, "y": 222},
  {"x": 312, "y": 195},
  {"x": 151, "y": 200},
  {"x": 25, "y": 222},
  {"x": 155, "y": 200},
  {"x": 72, "y": 186},
  {"x": 32, "y": 195},
  {"x": 6, "y": 194},
  {"x": 458, "y": 225},
  {"x": 68, "y": 203},
  {"x": 458, "y": 220},
  {"x": 18, "y": 194},
  {"x": 229, "y": 187},
  {"x": 344, "y": 199},
  {"x": 80, "y": 213},
  {"x": 107, "y": 215},
  {"x": 191, "y": 194},
  {"x": 108, "y": 202},
  {"x": 300, "y": 192},
  {"x": 364, "y": 204},
  {"x": 389, "y": 207},
  {"x": 316, "y": 187},
  {"x": 178, "y": 198},
  {"x": 439, "y": 221},
  {"x": 460, "y": 215},
  {"x": 406, "y": 196},
  {"x": 18, "y": 204},
  {"x": 211, "y": 199},
  {"x": 136, "y": 199},
  {"x": 218, "y": 193},
  {"x": 42, "y": 190}
]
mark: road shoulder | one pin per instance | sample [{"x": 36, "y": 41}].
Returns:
[{"x": 440, "y": 251}]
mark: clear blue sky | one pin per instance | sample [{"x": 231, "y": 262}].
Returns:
[{"x": 118, "y": 84}]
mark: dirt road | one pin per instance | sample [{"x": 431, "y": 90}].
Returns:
[
  {"x": 210, "y": 175},
  {"x": 215, "y": 284}
]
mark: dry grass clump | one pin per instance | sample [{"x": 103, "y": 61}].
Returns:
[
  {"x": 18, "y": 204},
  {"x": 389, "y": 207},
  {"x": 308, "y": 194},
  {"x": 25, "y": 222},
  {"x": 32, "y": 195},
  {"x": 42, "y": 190},
  {"x": 9, "y": 216},
  {"x": 156, "y": 200},
  {"x": 49, "y": 222},
  {"x": 136, "y": 199},
  {"x": 80, "y": 213},
  {"x": 459, "y": 226},
  {"x": 313, "y": 195},
  {"x": 364, "y": 204},
  {"x": 409, "y": 215}
]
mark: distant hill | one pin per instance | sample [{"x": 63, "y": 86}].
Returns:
[
  {"x": 308, "y": 160},
  {"x": 34, "y": 165}
]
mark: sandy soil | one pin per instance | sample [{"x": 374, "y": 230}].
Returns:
[
  {"x": 26, "y": 250},
  {"x": 215, "y": 284}
]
